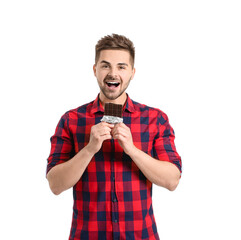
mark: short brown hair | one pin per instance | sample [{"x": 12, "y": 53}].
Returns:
[{"x": 115, "y": 41}]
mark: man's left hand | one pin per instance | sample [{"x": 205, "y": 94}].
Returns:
[{"x": 123, "y": 134}]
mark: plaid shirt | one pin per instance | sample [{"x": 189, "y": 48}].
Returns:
[{"x": 113, "y": 199}]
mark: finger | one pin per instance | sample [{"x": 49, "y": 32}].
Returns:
[
  {"x": 100, "y": 126},
  {"x": 123, "y": 125},
  {"x": 106, "y": 124},
  {"x": 110, "y": 125},
  {"x": 120, "y": 138},
  {"x": 116, "y": 134},
  {"x": 104, "y": 131},
  {"x": 120, "y": 131},
  {"x": 105, "y": 137}
]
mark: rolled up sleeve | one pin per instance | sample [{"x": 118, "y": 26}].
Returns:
[
  {"x": 164, "y": 146},
  {"x": 62, "y": 148}
]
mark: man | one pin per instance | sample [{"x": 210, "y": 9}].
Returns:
[{"x": 112, "y": 167}]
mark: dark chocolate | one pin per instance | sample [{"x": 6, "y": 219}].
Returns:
[{"x": 112, "y": 109}]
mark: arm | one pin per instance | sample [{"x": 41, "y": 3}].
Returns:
[
  {"x": 162, "y": 173},
  {"x": 65, "y": 175}
]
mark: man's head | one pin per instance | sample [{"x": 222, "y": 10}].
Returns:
[
  {"x": 115, "y": 42},
  {"x": 114, "y": 67}
]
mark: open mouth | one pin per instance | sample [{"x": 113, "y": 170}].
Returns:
[{"x": 112, "y": 84}]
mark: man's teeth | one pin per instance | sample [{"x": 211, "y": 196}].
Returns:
[{"x": 113, "y": 83}]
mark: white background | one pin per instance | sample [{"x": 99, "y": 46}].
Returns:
[{"x": 188, "y": 59}]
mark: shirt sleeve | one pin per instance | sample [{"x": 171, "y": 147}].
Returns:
[
  {"x": 164, "y": 147},
  {"x": 62, "y": 147}
]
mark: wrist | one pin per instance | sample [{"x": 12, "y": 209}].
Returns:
[
  {"x": 90, "y": 150},
  {"x": 133, "y": 151}
]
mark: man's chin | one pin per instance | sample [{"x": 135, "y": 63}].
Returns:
[{"x": 112, "y": 96}]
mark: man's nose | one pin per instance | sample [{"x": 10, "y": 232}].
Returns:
[{"x": 113, "y": 73}]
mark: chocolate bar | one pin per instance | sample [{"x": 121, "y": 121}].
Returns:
[{"x": 113, "y": 113}]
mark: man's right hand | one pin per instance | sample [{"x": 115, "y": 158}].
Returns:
[
  {"x": 67, "y": 174},
  {"x": 98, "y": 134}
]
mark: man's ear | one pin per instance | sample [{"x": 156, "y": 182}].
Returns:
[
  {"x": 133, "y": 73},
  {"x": 94, "y": 69}
]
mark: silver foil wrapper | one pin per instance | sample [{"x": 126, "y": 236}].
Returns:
[{"x": 111, "y": 119}]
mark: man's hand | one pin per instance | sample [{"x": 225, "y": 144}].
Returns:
[
  {"x": 161, "y": 173},
  {"x": 123, "y": 134},
  {"x": 99, "y": 133},
  {"x": 67, "y": 174}
]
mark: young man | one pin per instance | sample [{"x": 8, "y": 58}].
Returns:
[{"x": 112, "y": 167}]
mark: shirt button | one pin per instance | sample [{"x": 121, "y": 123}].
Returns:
[
  {"x": 114, "y": 200},
  {"x": 115, "y": 221}
]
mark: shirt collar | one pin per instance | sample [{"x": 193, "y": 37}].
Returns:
[
  {"x": 129, "y": 105},
  {"x": 96, "y": 106}
]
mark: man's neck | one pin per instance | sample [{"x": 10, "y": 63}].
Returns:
[{"x": 120, "y": 100}]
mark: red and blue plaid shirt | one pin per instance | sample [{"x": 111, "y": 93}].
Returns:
[{"x": 113, "y": 199}]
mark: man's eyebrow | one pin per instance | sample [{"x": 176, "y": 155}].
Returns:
[
  {"x": 121, "y": 64},
  {"x": 103, "y": 61},
  {"x": 125, "y": 64}
]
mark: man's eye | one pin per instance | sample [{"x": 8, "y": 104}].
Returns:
[
  {"x": 122, "y": 67},
  {"x": 105, "y": 66}
]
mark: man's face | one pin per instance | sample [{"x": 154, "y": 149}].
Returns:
[{"x": 114, "y": 73}]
